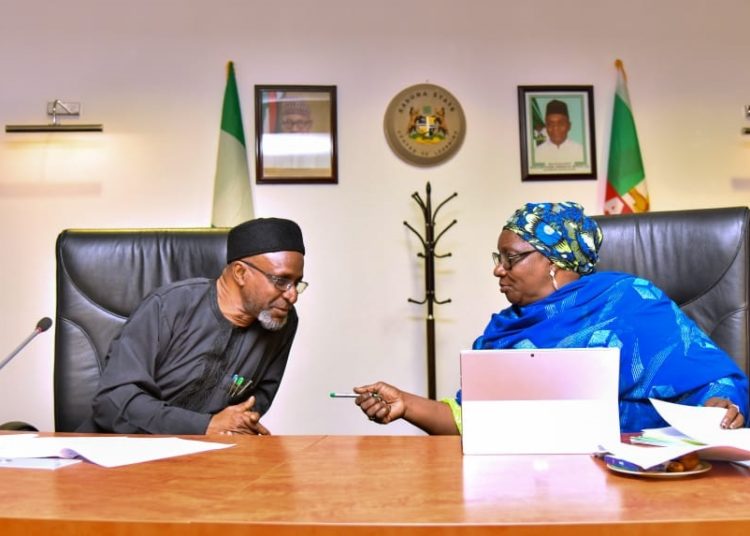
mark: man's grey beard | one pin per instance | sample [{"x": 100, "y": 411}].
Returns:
[{"x": 267, "y": 321}]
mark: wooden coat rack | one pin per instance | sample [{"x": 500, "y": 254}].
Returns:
[{"x": 429, "y": 241}]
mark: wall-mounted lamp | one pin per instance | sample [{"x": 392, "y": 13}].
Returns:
[{"x": 56, "y": 109}]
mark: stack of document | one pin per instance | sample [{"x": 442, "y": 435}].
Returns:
[{"x": 693, "y": 429}]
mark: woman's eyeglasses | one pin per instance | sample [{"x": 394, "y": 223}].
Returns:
[{"x": 509, "y": 261}]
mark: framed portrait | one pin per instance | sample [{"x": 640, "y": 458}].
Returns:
[
  {"x": 557, "y": 132},
  {"x": 295, "y": 134}
]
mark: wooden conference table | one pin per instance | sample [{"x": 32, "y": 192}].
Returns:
[{"x": 371, "y": 485}]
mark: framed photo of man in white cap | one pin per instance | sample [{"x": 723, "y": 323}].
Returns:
[
  {"x": 557, "y": 132},
  {"x": 295, "y": 130}
]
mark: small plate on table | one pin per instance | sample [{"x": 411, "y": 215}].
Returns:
[{"x": 701, "y": 468}]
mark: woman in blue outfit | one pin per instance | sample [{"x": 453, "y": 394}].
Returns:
[{"x": 545, "y": 263}]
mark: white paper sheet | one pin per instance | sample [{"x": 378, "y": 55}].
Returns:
[
  {"x": 105, "y": 451},
  {"x": 36, "y": 463},
  {"x": 701, "y": 424}
]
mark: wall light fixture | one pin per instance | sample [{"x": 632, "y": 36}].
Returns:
[{"x": 55, "y": 110}]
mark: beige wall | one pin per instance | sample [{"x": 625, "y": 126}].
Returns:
[{"x": 153, "y": 73}]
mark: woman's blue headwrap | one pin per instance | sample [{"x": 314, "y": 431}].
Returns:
[{"x": 561, "y": 232}]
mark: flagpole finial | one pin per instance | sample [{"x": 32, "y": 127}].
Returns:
[{"x": 620, "y": 67}]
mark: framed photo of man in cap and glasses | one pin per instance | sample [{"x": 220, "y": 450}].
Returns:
[
  {"x": 295, "y": 130},
  {"x": 557, "y": 132}
]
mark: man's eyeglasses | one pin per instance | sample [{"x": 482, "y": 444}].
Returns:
[
  {"x": 281, "y": 283},
  {"x": 509, "y": 261}
]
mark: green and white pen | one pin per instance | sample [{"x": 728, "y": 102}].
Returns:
[{"x": 349, "y": 395}]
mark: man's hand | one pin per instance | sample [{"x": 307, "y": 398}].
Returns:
[{"x": 238, "y": 419}]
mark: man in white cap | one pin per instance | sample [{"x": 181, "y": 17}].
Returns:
[{"x": 206, "y": 356}]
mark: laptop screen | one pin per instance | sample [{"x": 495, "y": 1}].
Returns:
[{"x": 539, "y": 401}]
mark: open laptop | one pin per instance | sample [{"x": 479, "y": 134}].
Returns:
[{"x": 550, "y": 401}]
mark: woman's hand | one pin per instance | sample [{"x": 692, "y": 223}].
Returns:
[
  {"x": 381, "y": 402},
  {"x": 384, "y": 403},
  {"x": 733, "y": 418}
]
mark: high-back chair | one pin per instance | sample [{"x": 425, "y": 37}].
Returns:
[
  {"x": 102, "y": 275},
  {"x": 699, "y": 258}
]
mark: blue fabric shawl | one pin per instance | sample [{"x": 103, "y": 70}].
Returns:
[{"x": 663, "y": 353}]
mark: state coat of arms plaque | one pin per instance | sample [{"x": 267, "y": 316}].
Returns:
[{"x": 424, "y": 125}]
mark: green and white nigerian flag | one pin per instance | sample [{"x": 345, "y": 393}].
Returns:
[
  {"x": 233, "y": 202},
  {"x": 626, "y": 178}
]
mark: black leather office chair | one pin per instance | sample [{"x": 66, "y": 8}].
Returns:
[
  {"x": 102, "y": 275},
  {"x": 698, "y": 257}
]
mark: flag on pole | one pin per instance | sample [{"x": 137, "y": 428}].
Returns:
[
  {"x": 233, "y": 202},
  {"x": 626, "y": 179}
]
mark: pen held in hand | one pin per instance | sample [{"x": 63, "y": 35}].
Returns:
[{"x": 350, "y": 395}]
